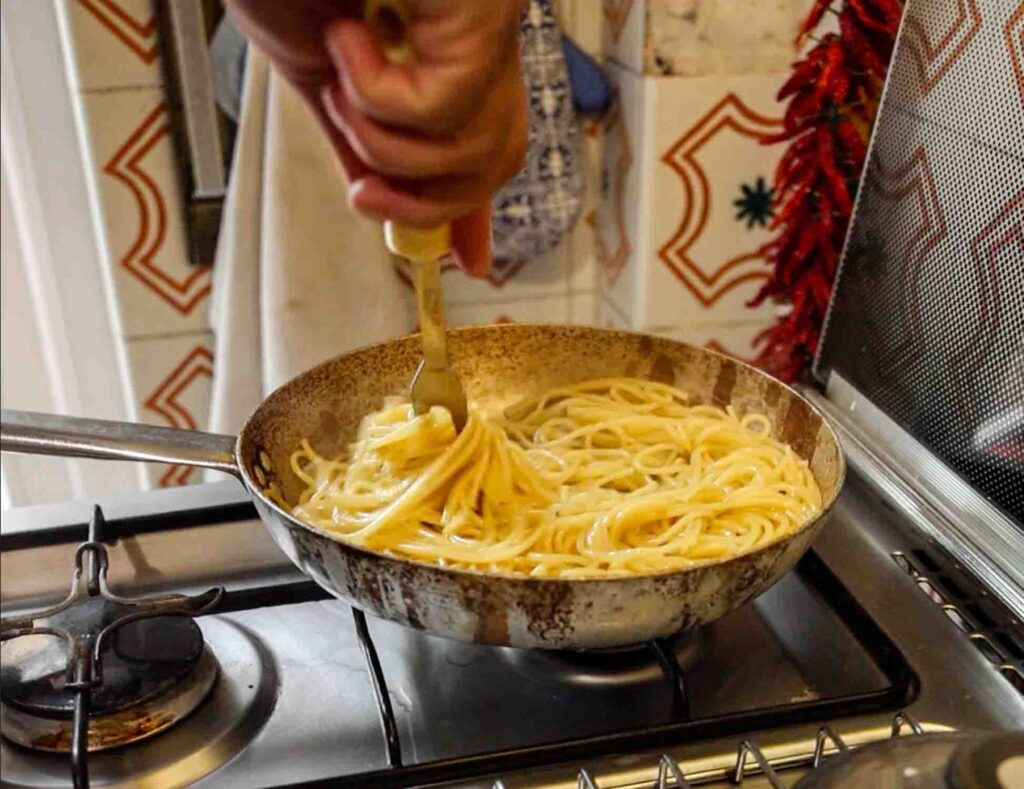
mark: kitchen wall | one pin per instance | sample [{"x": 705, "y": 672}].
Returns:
[
  {"x": 161, "y": 298},
  {"x": 685, "y": 181},
  {"x": 677, "y": 190}
]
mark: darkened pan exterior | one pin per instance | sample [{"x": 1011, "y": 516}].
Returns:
[{"x": 500, "y": 365}]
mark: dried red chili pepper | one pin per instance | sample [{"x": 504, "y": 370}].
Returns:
[
  {"x": 813, "y": 18},
  {"x": 836, "y": 180},
  {"x": 892, "y": 12},
  {"x": 867, "y": 18},
  {"x": 833, "y": 62},
  {"x": 858, "y": 44},
  {"x": 832, "y": 95}
]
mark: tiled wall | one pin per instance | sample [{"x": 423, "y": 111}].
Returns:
[
  {"x": 161, "y": 298},
  {"x": 686, "y": 183},
  {"x": 669, "y": 254}
]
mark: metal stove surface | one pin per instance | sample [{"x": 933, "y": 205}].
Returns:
[{"x": 320, "y": 721}]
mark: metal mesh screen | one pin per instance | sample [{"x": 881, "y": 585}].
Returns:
[{"x": 927, "y": 316}]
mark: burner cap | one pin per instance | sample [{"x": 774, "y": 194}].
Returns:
[
  {"x": 996, "y": 761},
  {"x": 616, "y": 665},
  {"x": 140, "y": 660}
]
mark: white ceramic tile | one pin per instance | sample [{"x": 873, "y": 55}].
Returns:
[
  {"x": 622, "y": 32},
  {"x": 584, "y": 24},
  {"x": 507, "y": 282},
  {"x": 736, "y": 339},
  {"x": 553, "y": 309},
  {"x": 171, "y": 382},
  {"x": 705, "y": 151},
  {"x": 622, "y": 219},
  {"x": 694, "y": 37},
  {"x": 583, "y": 309},
  {"x": 609, "y": 316},
  {"x": 114, "y": 43},
  {"x": 582, "y": 262},
  {"x": 159, "y": 291}
]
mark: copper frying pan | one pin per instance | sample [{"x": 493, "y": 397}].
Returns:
[{"x": 499, "y": 365}]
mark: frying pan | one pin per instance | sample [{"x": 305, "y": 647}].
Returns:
[{"x": 499, "y": 366}]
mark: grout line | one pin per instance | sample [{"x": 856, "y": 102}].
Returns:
[
  {"x": 169, "y": 335},
  {"x": 118, "y": 89}
]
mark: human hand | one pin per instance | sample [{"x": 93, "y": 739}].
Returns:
[{"x": 420, "y": 144}]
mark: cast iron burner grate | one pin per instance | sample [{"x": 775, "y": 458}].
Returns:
[{"x": 97, "y": 670}]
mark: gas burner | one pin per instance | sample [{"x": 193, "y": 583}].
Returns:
[
  {"x": 98, "y": 671},
  {"x": 624, "y": 665}
]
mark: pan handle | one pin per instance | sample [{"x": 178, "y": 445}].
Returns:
[{"x": 33, "y": 433}]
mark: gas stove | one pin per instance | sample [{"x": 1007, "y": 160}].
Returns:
[{"x": 878, "y": 631}]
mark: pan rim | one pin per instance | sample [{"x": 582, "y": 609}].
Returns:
[{"x": 807, "y": 525}]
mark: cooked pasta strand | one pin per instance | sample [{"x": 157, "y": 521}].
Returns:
[{"x": 605, "y": 478}]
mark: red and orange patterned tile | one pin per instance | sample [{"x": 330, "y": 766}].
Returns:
[
  {"x": 159, "y": 291},
  {"x": 171, "y": 381},
  {"x": 713, "y": 191},
  {"x": 114, "y": 43},
  {"x": 691, "y": 207}
]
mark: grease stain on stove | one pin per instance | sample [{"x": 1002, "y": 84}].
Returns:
[{"x": 109, "y": 731}]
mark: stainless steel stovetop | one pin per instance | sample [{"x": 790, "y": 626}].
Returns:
[{"x": 848, "y": 640}]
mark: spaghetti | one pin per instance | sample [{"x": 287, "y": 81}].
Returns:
[{"x": 606, "y": 478}]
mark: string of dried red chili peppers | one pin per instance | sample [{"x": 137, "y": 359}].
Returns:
[{"x": 832, "y": 93}]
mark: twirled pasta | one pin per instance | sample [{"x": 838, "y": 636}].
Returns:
[{"x": 606, "y": 478}]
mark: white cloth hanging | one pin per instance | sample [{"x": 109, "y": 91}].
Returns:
[{"x": 298, "y": 278}]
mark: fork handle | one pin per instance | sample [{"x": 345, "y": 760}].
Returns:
[{"x": 430, "y": 308}]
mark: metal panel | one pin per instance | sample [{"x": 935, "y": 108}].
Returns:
[{"x": 927, "y": 317}]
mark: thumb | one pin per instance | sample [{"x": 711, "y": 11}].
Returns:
[{"x": 471, "y": 241}]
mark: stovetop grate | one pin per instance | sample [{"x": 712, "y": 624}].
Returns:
[
  {"x": 752, "y": 761},
  {"x": 87, "y": 631},
  {"x": 900, "y": 690}
]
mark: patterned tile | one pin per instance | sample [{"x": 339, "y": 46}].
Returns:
[
  {"x": 686, "y": 197},
  {"x": 171, "y": 379},
  {"x": 159, "y": 290},
  {"x": 114, "y": 43},
  {"x": 583, "y": 255},
  {"x": 712, "y": 187},
  {"x": 612, "y": 236},
  {"x": 609, "y": 316}
]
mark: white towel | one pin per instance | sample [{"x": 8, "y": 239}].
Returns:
[{"x": 298, "y": 277}]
